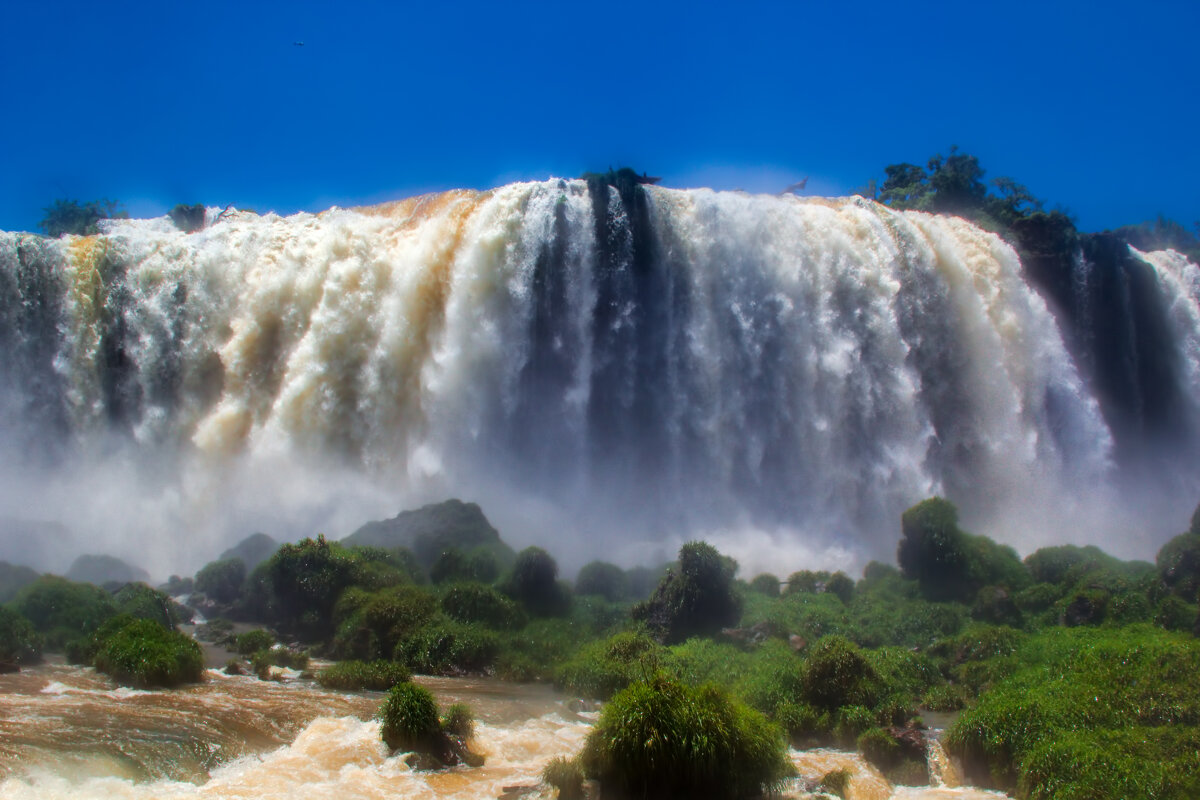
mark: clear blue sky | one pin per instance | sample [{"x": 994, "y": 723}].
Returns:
[{"x": 1093, "y": 105}]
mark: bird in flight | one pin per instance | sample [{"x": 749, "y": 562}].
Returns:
[{"x": 298, "y": 44}]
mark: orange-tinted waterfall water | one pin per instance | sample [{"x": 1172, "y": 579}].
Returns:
[{"x": 69, "y": 732}]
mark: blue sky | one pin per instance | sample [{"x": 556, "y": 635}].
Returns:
[{"x": 1091, "y": 105}]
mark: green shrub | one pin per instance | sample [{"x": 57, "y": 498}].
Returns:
[
  {"x": 221, "y": 581},
  {"x": 602, "y": 668},
  {"x": 538, "y": 650},
  {"x": 565, "y": 775},
  {"x": 459, "y": 721},
  {"x": 250, "y": 642},
  {"x": 602, "y": 578},
  {"x": 949, "y": 563},
  {"x": 144, "y": 602},
  {"x": 19, "y": 642},
  {"x": 359, "y": 675},
  {"x": 765, "y": 584},
  {"x": 1179, "y": 564},
  {"x": 533, "y": 583},
  {"x": 1082, "y": 698},
  {"x": 665, "y": 739},
  {"x": 448, "y": 648},
  {"x": 371, "y": 624},
  {"x": 474, "y": 602},
  {"x": 836, "y": 783},
  {"x": 410, "y": 719},
  {"x": 143, "y": 653},
  {"x": 62, "y": 610},
  {"x": 1174, "y": 614},
  {"x": 479, "y": 565},
  {"x": 697, "y": 601},
  {"x": 837, "y": 673}
]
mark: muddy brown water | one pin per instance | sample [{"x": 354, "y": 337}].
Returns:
[{"x": 68, "y": 732}]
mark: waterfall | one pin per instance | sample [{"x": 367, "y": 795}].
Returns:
[{"x": 646, "y": 363}]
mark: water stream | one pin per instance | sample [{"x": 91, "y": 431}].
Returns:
[{"x": 67, "y": 732}]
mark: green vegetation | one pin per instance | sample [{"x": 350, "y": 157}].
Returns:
[
  {"x": 81, "y": 219},
  {"x": 565, "y": 775},
  {"x": 143, "y": 653},
  {"x": 962, "y": 624},
  {"x": 697, "y": 600},
  {"x": 377, "y": 676},
  {"x": 948, "y": 563},
  {"x": 533, "y": 583},
  {"x": 250, "y": 642},
  {"x": 662, "y": 738},
  {"x": 1108, "y": 713},
  {"x": 62, "y": 610},
  {"x": 14, "y": 578},
  {"x": 19, "y": 642},
  {"x": 221, "y": 581},
  {"x": 411, "y": 724}
]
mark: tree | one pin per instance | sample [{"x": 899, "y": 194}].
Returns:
[
  {"x": 949, "y": 563},
  {"x": 81, "y": 219},
  {"x": 534, "y": 583},
  {"x": 222, "y": 580},
  {"x": 696, "y": 601}
]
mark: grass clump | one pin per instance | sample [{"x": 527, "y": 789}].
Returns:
[
  {"x": 565, "y": 775},
  {"x": 377, "y": 676},
  {"x": 411, "y": 724},
  {"x": 661, "y": 738},
  {"x": 144, "y": 654}
]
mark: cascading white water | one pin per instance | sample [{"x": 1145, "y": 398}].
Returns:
[{"x": 699, "y": 363}]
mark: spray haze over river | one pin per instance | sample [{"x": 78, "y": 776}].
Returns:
[{"x": 605, "y": 371}]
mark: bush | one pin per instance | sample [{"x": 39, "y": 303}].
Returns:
[
  {"x": 410, "y": 723},
  {"x": 600, "y": 669},
  {"x": 459, "y": 721},
  {"x": 765, "y": 584},
  {"x": 664, "y": 739},
  {"x": 448, "y": 648},
  {"x": 1179, "y": 564},
  {"x": 602, "y": 578},
  {"x": 838, "y": 674},
  {"x": 250, "y": 642},
  {"x": 534, "y": 584},
  {"x": 81, "y": 219},
  {"x": 948, "y": 563},
  {"x": 565, "y": 775},
  {"x": 474, "y": 602},
  {"x": 410, "y": 719},
  {"x": 371, "y": 624},
  {"x": 221, "y": 581},
  {"x": 62, "y": 610},
  {"x": 19, "y": 642},
  {"x": 139, "y": 600},
  {"x": 697, "y": 601},
  {"x": 144, "y": 654},
  {"x": 358, "y": 675}
]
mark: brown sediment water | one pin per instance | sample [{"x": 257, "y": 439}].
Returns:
[{"x": 68, "y": 732}]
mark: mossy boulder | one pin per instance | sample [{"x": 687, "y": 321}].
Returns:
[{"x": 411, "y": 724}]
